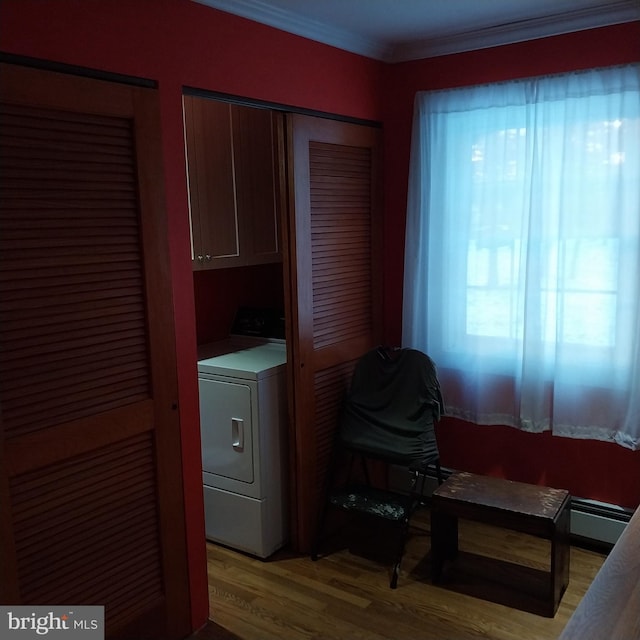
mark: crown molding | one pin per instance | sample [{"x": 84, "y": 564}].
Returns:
[
  {"x": 606, "y": 13},
  {"x": 302, "y": 26}
]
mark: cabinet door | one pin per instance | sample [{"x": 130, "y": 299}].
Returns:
[
  {"x": 333, "y": 267},
  {"x": 233, "y": 175},
  {"x": 256, "y": 161},
  {"x": 212, "y": 196}
]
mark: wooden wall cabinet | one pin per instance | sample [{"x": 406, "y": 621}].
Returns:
[{"x": 233, "y": 177}]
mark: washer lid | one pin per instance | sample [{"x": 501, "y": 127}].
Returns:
[{"x": 249, "y": 360}]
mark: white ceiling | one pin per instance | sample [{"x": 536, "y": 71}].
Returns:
[{"x": 397, "y": 30}]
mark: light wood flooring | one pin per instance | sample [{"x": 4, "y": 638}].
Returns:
[{"x": 346, "y": 594}]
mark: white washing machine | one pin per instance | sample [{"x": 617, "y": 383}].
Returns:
[{"x": 244, "y": 436}]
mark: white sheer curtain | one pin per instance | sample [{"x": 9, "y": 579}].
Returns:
[{"x": 522, "y": 263}]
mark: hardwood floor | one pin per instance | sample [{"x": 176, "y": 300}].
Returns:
[
  {"x": 213, "y": 631},
  {"x": 346, "y": 594}
]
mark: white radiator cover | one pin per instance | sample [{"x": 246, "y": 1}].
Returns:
[
  {"x": 598, "y": 521},
  {"x": 594, "y": 521}
]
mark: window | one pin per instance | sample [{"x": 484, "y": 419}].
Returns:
[{"x": 522, "y": 263}]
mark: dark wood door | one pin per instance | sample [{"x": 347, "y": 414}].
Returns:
[
  {"x": 334, "y": 303},
  {"x": 91, "y": 477}
]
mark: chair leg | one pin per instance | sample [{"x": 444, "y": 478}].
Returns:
[
  {"x": 412, "y": 500},
  {"x": 439, "y": 471},
  {"x": 328, "y": 482},
  {"x": 319, "y": 529},
  {"x": 404, "y": 534},
  {"x": 322, "y": 517},
  {"x": 394, "y": 576},
  {"x": 396, "y": 567},
  {"x": 324, "y": 508}
]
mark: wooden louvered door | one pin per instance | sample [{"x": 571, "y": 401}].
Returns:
[
  {"x": 91, "y": 477},
  {"x": 335, "y": 275}
]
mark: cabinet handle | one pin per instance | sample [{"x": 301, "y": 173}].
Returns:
[
  {"x": 207, "y": 258},
  {"x": 200, "y": 258},
  {"x": 237, "y": 434}
]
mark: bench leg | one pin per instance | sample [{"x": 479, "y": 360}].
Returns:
[
  {"x": 560, "y": 552},
  {"x": 444, "y": 541}
]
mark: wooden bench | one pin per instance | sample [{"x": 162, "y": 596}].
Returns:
[
  {"x": 530, "y": 509},
  {"x": 611, "y": 607}
]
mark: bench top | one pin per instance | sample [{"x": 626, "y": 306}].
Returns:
[{"x": 503, "y": 495}]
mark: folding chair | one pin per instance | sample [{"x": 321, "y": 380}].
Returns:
[{"x": 388, "y": 415}]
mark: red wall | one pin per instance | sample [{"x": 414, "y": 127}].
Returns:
[
  {"x": 182, "y": 43},
  {"x": 255, "y": 286},
  {"x": 589, "y": 469}
]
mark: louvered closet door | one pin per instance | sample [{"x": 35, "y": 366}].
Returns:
[
  {"x": 334, "y": 270},
  {"x": 92, "y": 504}
]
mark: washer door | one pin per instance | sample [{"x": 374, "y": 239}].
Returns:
[{"x": 226, "y": 429}]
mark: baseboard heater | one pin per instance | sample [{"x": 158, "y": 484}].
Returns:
[{"x": 592, "y": 522}]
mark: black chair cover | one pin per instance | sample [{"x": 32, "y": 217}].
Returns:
[{"x": 391, "y": 407}]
